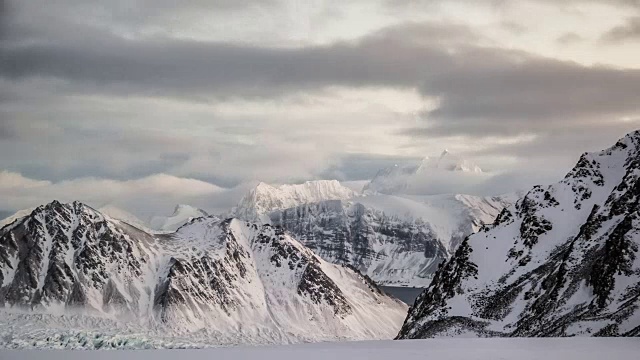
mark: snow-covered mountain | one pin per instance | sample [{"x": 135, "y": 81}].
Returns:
[
  {"x": 394, "y": 240},
  {"x": 18, "y": 215},
  {"x": 218, "y": 281},
  {"x": 117, "y": 213},
  {"x": 182, "y": 214},
  {"x": 264, "y": 198},
  {"x": 409, "y": 179},
  {"x": 562, "y": 261},
  {"x": 448, "y": 162}
]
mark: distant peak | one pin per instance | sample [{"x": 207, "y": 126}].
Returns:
[
  {"x": 313, "y": 182},
  {"x": 263, "y": 185},
  {"x": 265, "y": 198},
  {"x": 183, "y": 208},
  {"x": 448, "y": 161}
]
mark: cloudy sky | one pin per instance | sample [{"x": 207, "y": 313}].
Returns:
[{"x": 144, "y": 103}]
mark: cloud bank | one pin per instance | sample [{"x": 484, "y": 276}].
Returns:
[{"x": 231, "y": 92}]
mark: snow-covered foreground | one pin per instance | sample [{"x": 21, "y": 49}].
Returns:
[{"x": 436, "y": 349}]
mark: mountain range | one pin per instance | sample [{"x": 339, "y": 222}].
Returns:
[
  {"x": 299, "y": 263},
  {"x": 219, "y": 280},
  {"x": 396, "y": 239}
]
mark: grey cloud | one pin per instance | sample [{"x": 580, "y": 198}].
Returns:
[
  {"x": 480, "y": 92},
  {"x": 175, "y": 67},
  {"x": 514, "y": 27},
  {"x": 135, "y": 11},
  {"x": 629, "y": 31},
  {"x": 74, "y": 147},
  {"x": 5, "y": 16},
  {"x": 548, "y": 156},
  {"x": 564, "y": 146},
  {"x": 569, "y": 39},
  {"x": 6, "y": 131},
  {"x": 424, "y": 34},
  {"x": 364, "y": 166},
  {"x": 146, "y": 196},
  {"x": 503, "y": 3},
  {"x": 512, "y": 96},
  {"x": 515, "y": 181},
  {"x": 472, "y": 83},
  {"x": 629, "y": 3},
  {"x": 84, "y": 21},
  {"x": 120, "y": 140}
]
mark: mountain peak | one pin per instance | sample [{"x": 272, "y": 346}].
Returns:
[
  {"x": 182, "y": 214},
  {"x": 181, "y": 208},
  {"x": 263, "y": 185},
  {"x": 448, "y": 162},
  {"x": 117, "y": 213},
  {"x": 265, "y": 198},
  {"x": 406, "y": 179}
]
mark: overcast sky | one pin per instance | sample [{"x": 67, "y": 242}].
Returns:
[{"x": 144, "y": 103}]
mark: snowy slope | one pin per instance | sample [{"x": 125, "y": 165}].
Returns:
[
  {"x": 18, "y": 215},
  {"x": 451, "y": 216},
  {"x": 394, "y": 240},
  {"x": 117, "y": 213},
  {"x": 182, "y": 214},
  {"x": 67, "y": 269},
  {"x": 562, "y": 261},
  {"x": 411, "y": 179},
  {"x": 264, "y": 198}
]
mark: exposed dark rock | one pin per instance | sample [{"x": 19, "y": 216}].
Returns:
[{"x": 565, "y": 265}]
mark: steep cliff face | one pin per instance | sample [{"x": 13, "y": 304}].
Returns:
[
  {"x": 394, "y": 240},
  {"x": 389, "y": 249},
  {"x": 562, "y": 261},
  {"x": 228, "y": 277}
]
